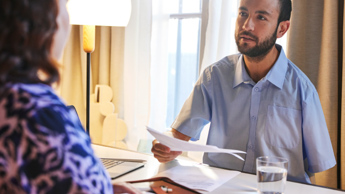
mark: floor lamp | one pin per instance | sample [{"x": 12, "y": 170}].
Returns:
[{"x": 90, "y": 13}]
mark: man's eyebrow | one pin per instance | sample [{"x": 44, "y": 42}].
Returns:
[
  {"x": 263, "y": 12},
  {"x": 243, "y": 8}
]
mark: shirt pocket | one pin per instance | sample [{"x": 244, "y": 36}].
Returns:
[{"x": 283, "y": 127}]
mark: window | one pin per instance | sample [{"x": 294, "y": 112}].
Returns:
[{"x": 184, "y": 40}]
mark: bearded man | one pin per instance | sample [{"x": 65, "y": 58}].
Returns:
[{"x": 257, "y": 101}]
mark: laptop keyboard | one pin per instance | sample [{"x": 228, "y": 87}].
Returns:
[{"x": 108, "y": 163}]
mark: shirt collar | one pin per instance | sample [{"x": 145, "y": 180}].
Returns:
[
  {"x": 241, "y": 75},
  {"x": 276, "y": 75}
]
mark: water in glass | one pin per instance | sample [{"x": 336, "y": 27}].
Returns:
[{"x": 271, "y": 179}]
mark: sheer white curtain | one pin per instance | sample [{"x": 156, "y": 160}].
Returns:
[
  {"x": 220, "y": 41},
  {"x": 152, "y": 39},
  {"x": 146, "y": 59},
  {"x": 137, "y": 72},
  {"x": 159, "y": 63}
]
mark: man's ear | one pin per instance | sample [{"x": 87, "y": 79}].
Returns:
[{"x": 283, "y": 28}]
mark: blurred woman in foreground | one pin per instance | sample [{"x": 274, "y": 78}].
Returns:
[{"x": 43, "y": 148}]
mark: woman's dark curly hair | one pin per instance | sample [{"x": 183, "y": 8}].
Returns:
[{"x": 27, "y": 28}]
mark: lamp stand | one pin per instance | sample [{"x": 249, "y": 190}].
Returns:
[
  {"x": 88, "y": 75},
  {"x": 89, "y": 47}
]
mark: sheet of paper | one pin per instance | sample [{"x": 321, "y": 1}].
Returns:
[
  {"x": 180, "y": 145},
  {"x": 199, "y": 177}
]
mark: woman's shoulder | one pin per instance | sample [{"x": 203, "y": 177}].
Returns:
[
  {"x": 39, "y": 110},
  {"x": 31, "y": 104},
  {"x": 40, "y": 94},
  {"x": 50, "y": 141},
  {"x": 19, "y": 98}
]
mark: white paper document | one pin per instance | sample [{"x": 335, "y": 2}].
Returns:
[
  {"x": 199, "y": 177},
  {"x": 180, "y": 145}
]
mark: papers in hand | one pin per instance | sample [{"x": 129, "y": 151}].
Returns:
[{"x": 180, "y": 145}]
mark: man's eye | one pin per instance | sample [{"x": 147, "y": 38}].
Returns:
[
  {"x": 242, "y": 14},
  {"x": 261, "y": 17}
]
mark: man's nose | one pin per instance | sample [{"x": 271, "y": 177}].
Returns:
[{"x": 248, "y": 24}]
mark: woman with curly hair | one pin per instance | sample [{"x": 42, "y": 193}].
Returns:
[{"x": 43, "y": 147}]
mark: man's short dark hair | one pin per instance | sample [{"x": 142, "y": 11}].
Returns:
[{"x": 285, "y": 10}]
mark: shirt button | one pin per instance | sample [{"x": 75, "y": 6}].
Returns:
[
  {"x": 256, "y": 89},
  {"x": 253, "y": 117},
  {"x": 250, "y": 147}
]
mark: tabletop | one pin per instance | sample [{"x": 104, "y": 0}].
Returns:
[{"x": 243, "y": 183}]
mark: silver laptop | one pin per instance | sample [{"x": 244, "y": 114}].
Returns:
[{"x": 119, "y": 167}]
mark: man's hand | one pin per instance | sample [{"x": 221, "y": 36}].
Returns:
[{"x": 163, "y": 153}]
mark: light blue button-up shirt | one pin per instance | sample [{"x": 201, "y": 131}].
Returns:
[{"x": 281, "y": 115}]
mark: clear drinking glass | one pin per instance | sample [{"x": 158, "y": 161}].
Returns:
[{"x": 271, "y": 174}]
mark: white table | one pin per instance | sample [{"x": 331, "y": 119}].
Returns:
[{"x": 242, "y": 184}]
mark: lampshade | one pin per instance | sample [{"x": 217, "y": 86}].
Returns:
[{"x": 99, "y": 12}]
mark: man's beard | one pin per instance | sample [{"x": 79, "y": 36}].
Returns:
[{"x": 259, "y": 50}]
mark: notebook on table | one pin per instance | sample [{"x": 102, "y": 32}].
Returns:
[{"x": 118, "y": 167}]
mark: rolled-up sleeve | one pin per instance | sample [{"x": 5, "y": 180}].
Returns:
[{"x": 196, "y": 111}]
